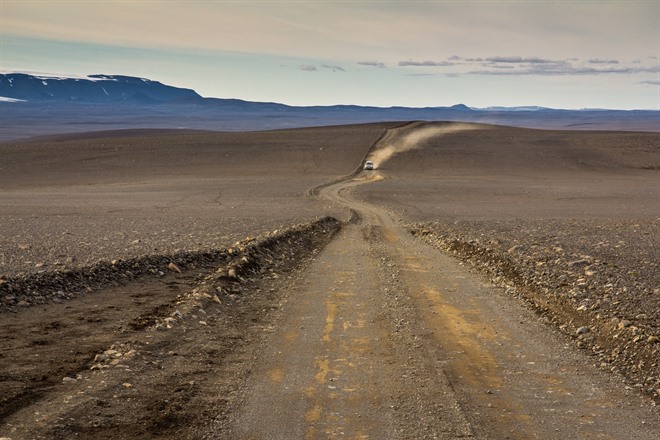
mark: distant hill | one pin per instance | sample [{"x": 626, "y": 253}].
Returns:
[
  {"x": 33, "y": 105},
  {"x": 94, "y": 88}
]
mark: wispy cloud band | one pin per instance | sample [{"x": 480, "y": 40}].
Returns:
[
  {"x": 372, "y": 64},
  {"x": 333, "y": 68},
  {"x": 533, "y": 65},
  {"x": 426, "y": 63},
  {"x": 313, "y": 68}
]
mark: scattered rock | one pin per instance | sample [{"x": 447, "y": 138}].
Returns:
[
  {"x": 173, "y": 267},
  {"x": 582, "y": 330}
]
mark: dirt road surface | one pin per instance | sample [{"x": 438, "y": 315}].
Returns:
[
  {"x": 392, "y": 339},
  {"x": 316, "y": 331}
]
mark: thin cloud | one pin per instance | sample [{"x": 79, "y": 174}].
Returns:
[
  {"x": 425, "y": 63},
  {"x": 372, "y": 64},
  {"x": 333, "y": 68},
  {"x": 308, "y": 67},
  {"x": 526, "y": 60},
  {"x": 566, "y": 69},
  {"x": 599, "y": 61},
  {"x": 533, "y": 65},
  {"x": 650, "y": 83}
]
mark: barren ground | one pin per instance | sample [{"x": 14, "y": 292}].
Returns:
[{"x": 154, "y": 285}]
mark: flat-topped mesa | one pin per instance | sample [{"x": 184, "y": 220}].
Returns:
[{"x": 93, "y": 88}]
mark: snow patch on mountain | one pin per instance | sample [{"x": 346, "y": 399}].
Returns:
[{"x": 5, "y": 99}]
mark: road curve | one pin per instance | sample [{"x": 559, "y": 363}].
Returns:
[{"x": 384, "y": 337}]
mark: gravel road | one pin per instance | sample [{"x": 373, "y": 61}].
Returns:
[
  {"x": 412, "y": 317},
  {"x": 393, "y": 339}
]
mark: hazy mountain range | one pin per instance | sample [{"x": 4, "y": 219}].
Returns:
[{"x": 37, "y": 105}]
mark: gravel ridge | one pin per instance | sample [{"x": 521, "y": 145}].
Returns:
[{"x": 26, "y": 290}]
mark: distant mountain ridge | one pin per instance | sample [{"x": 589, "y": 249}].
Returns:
[
  {"x": 33, "y": 105},
  {"x": 93, "y": 88}
]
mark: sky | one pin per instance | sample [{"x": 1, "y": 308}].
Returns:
[{"x": 559, "y": 54}]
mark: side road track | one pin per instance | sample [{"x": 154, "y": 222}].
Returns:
[{"x": 159, "y": 357}]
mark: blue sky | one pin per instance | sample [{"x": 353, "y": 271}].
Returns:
[{"x": 561, "y": 54}]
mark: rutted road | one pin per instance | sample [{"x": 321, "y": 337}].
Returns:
[
  {"x": 338, "y": 365},
  {"x": 374, "y": 335},
  {"x": 385, "y": 337}
]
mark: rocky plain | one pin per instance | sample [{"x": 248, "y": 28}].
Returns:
[{"x": 567, "y": 222}]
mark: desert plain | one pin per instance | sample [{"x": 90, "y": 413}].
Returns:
[{"x": 483, "y": 282}]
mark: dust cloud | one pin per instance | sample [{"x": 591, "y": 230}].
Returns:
[{"x": 414, "y": 139}]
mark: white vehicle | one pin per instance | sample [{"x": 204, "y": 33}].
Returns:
[{"x": 368, "y": 165}]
